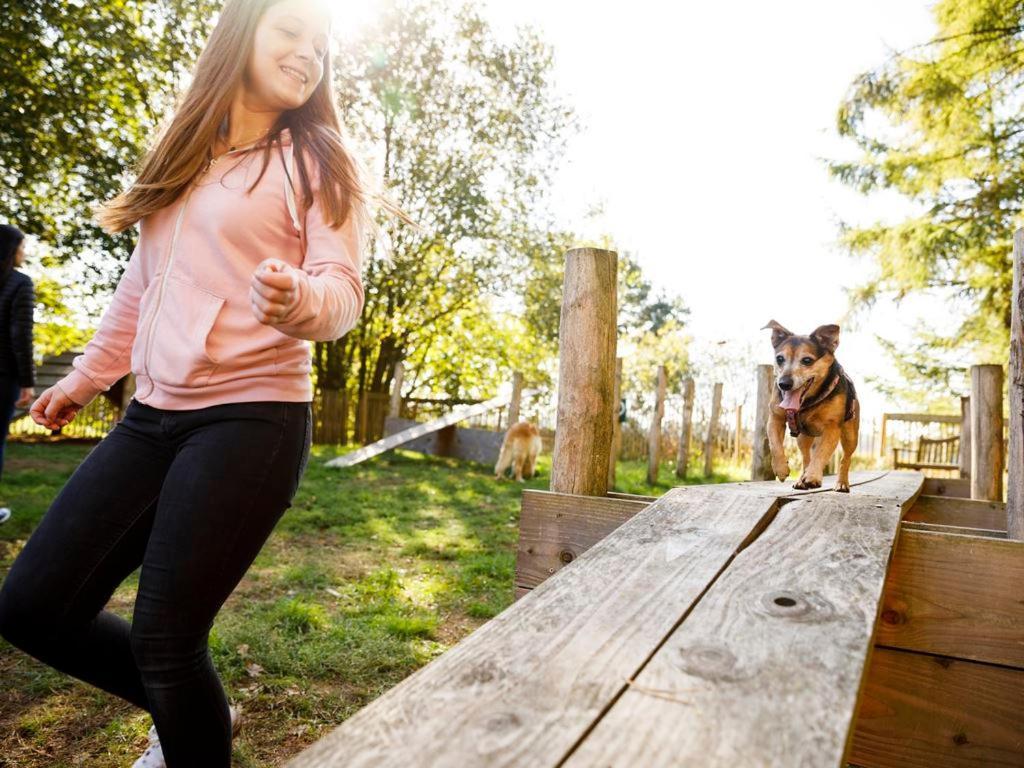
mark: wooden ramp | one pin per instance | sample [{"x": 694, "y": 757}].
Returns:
[
  {"x": 717, "y": 626},
  {"x": 397, "y": 439}
]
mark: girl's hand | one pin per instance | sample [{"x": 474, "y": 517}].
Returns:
[
  {"x": 274, "y": 291},
  {"x": 54, "y": 409}
]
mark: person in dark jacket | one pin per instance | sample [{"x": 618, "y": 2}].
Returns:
[{"x": 17, "y": 367}]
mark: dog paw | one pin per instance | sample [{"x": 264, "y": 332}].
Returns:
[
  {"x": 842, "y": 488},
  {"x": 805, "y": 482},
  {"x": 781, "y": 470}
]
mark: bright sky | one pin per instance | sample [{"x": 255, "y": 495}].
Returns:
[{"x": 704, "y": 128}]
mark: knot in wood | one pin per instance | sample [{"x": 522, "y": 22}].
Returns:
[
  {"x": 711, "y": 662},
  {"x": 503, "y": 721},
  {"x": 799, "y": 606},
  {"x": 892, "y": 617}
]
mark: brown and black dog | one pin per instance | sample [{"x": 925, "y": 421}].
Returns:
[{"x": 817, "y": 401}]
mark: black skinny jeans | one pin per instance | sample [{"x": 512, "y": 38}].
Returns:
[{"x": 191, "y": 496}]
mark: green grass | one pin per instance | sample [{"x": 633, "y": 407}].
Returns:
[{"x": 373, "y": 572}]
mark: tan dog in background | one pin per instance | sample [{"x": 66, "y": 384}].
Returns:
[
  {"x": 816, "y": 399},
  {"x": 519, "y": 449}
]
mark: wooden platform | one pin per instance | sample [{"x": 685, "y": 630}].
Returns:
[{"x": 721, "y": 626}]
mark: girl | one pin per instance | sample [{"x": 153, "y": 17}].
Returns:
[
  {"x": 17, "y": 368},
  {"x": 251, "y": 211}
]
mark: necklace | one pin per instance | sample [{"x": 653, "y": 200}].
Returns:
[
  {"x": 213, "y": 160},
  {"x": 249, "y": 141}
]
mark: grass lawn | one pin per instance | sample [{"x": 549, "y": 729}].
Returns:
[{"x": 373, "y": 572}]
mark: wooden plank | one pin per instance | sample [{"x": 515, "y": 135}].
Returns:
[
  {"x": 712, "y": 433},
  {"x": 987, "y": 432},
  {"x": 1015, "y": 393},
  {"x": 902, "y": 487},
  {"x": 630, "y": 496},
  {"x": 925, "y": 465},
  {"x": 963, "y": 513},
  {"x": 523, "y": 688},
  {"x": 467, "y": 443},
  {"x": 556, "y": 528},
  {"x": 786, "y": 488},
  {"x": 899, "y": 486},
  {"x": 956, "y": 596},
  {"x": 924, "y": 418},
  {"x": 616, "y": 448},
  {"x": 761, "y": 460},
  {"x": 55, "y": 368},
  {"x": 921, "y": 711},
  {"x": 952, "y": 530},
  {"x": 395, "y": 440},
  {"x": 964, "y": 448},
  {"x": 654, "y": 431},
  {"x": 960, "y": 487},
  {"x": 766, "y": 669},
  {"x": 685, "y": 429}
]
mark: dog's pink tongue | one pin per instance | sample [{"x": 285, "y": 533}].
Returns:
[{"x": 791, "y": 400}]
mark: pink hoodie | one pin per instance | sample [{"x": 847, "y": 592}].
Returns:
[{"x": 181, "y": 318}]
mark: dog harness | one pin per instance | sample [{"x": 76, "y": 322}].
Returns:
[{"x": 837, "y": 375}]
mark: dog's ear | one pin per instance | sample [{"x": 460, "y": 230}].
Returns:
[
  {"x": 827, "y": 336},
  {"x": 779, "y": 334}
]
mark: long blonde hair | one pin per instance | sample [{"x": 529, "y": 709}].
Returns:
[{"x": 180, "y": 151}]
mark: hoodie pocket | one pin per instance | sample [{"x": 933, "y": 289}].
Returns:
[{"x": 179, "y": 354}]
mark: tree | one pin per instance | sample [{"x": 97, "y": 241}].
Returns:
[
  {"x": 83, "y": 85},
  {"x": 465, "y": 131},
  {"x": 941, "y": 125}
]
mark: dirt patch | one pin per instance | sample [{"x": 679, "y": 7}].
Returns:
[{"x": 454, "y": 627}]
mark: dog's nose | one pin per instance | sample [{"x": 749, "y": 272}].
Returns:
[{"x": 786, "y": 383}]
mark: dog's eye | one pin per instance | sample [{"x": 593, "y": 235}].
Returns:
[
  {"x": 780, "y": 359},
  {"x": 806, "y": 361}
]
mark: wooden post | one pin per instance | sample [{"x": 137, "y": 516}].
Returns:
[
  {"x": 654, "y": 433},
  {"x": 987, "y": 432},
  {"x": 515, "y": 400},
  {"x": 613, "y": 455},
  {"x": 761, "y": 463},
  {"x": 1015, "y": 481},
  {"x": 881, "y": 440},
  {"x": 342, "y": 431},
  {"x": 709, "y": 441},
  {"x": 737, "y": 435},
  {"x": 586, "y": 373},
  {"x": 964, "y": 455},
  {"x": 361, "y": 418},
  {"x": 685, "y": 428},
  {"x": 395, "y": 408}
]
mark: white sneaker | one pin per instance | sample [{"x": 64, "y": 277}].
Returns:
[
  {"x": 153, "y": 757},
  {"x": 5, "y": 514}
]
